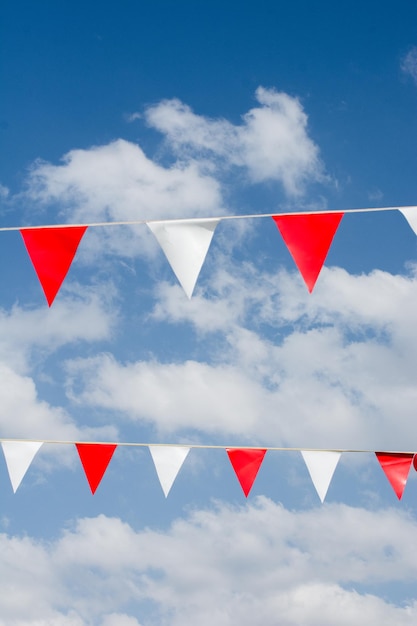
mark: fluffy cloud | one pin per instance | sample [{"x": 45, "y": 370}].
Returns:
[
  {"x": 271, "y": 144},
  {"x": 29, "y": 339},
  {"x": 23, "y": 414},
  {"x": 74, "y": 317},
  {"x": 226, "y": 565},
  {"x": 119, "y": 182},
  {"x": 333, "y": 370}
]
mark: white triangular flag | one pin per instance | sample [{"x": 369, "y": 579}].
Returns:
[
  {"x": 321, "y": 466},
  {"x": 19, "y": 455},
  {"x": 185, "y": 244},
  {"x": 410, "y": 214},
  {"x": 168, "y": 461}
]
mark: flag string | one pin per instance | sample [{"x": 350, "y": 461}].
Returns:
[
  {"x": 209, "y": 218},
  {"x": 204, "y": 446}
]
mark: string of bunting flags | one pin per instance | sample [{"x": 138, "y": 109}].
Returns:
[
  {"x": 185, "y": 243},
  {"x": 169, "y": 458}
]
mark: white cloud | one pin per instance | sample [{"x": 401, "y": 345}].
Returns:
[
  {"x": 225, "y": 566},
  {"x": 23, "y": 414},
  {"x": 272, "y": 143},
  {"x": 330, "y": 370},
  {"x": 119, "y": 619},
  {"x": 74, "y": 317},
  {"x": 119, "y": 182},
  {"x": 168, "y": 395},
  {"x": 409, "y": 63},
  {"x": 29, "y": 338}
]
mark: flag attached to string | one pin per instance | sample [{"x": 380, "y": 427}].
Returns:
[
  {"x": 168, "y": 461},
  {"x": 321, "y": 466},
  {"x": 246, "y": 463},
  {"x": 19, "y": 456},
  {"x": 95, "y": 458},
  {"x": 52, "y": 251},
  {"x": 396, "y": 466},
  {"x": 185, "y": 244},
  {"x": 410, "y": 214},
  {"x": 308, "y": 238}
]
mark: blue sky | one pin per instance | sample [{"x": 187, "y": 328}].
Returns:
[{"x": 134, "y": 111}]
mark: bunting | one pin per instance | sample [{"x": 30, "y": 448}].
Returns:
[
  {"x": 185, "y": 245},
  {"x": 396, "y": 467},
  {"x": 246, "y": 463},
  {"x": 19, "y": 455},
  {"x": 321, "y": 466},
  {"x": 168, "y": 461},
  {"x": 308, "y": 239},
  {"x": 95, "y": 457},
  {"x": 52, "y": 251},
  {"x": 308, "y": 236}
]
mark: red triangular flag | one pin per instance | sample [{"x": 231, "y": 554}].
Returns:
[
  {"x": 396, "y": 466},
  {"x": 95, "y": 458},
  {"x": 51, "y": 251},
  {"x": 246, "y": 463},
  {"x": 308, "y": 238}
]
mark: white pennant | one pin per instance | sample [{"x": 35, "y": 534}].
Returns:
[
  {"x": 185, "y": 244},
  {"x": 168, "y": 461},
  {"x": 19, "y": 455},
  {"x": 321, "y": 466},
  {"x": 410, "y": 214}
]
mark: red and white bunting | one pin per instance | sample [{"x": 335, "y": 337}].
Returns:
[
  {"x": 168, "y": 461},
  {"x": 95, "y": 458},
  {"x": 19, "y": 455},
  {"x": 246, "y": 463},
  {"x": 308, "y": 239},
  {"x": 321, "y": 466},
  {"x": 185, "y": 245},
  {"x": 52, "y": 251},
  {"x": 396, "y": 466}
]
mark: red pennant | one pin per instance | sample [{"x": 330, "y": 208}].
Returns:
[
  {"x": 308, "y": 238},
  {"x": 95, "y": 458},
  {"x": 246, "y": 464},
  {"x": 396, "y": 466},
  {"x": 51, "y": 251}
]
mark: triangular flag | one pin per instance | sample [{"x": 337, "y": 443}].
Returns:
[
  {"x": 168, "y": 461},
  {"x": 185, "y": 244},
  {"x": 308, "y": 238},
  {"x": 396, "y": 466},
  {"x": 95, "y": 458},
  {"x": 51, "y": 251},
  {"x": 246, "y": 463},
  {"x": 321, "y": 466},
  {"x": 19, "y": 455},
  {"x": 410, "y": 214}
]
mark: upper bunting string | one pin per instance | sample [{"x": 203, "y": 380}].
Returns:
[
  {"x": 219, "y": 217},
  {"x": 204, "y": 446},
  {"x": 308, "y": 236}
]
